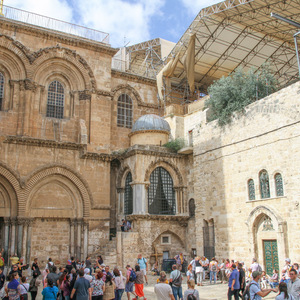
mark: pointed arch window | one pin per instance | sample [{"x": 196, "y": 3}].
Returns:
[
  {"x": 128, "y": 195},
  {"x": 192, "y": 207},
  {"x": 264, "y": 184},
  {"x": 251, "y": 189},
  {"x": 55, "y": 100},
  {"x": 124, "y": 111},
  {"x": 161, "y": 193},
  {"x": 1, "y": 90},
  {"x": 278, "y": 185}
]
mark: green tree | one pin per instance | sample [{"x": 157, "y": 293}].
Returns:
[{"x": 233, "y": 93}]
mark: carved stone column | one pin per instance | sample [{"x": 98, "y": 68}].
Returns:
[
  {"x": 85, "y": 238},
  {"x": 29, "y": 232},
  {"x": 24, "y": 241},
  {"x": 139, "y": 198},
  {"x": 6, "y": 237},
  {"x": 72, "y": 237},
  {"x": 13, "y": 236},
  {"x": 20, "y": 223},
  {"x": 78, "y": 230},
  {"x": 179, "y": 200},
  {"x": 120, "y": 192}
]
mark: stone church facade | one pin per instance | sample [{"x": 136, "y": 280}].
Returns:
[{"x": 81, "y": 148}]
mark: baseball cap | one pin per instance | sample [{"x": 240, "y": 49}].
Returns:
[
  {"x": 255, "y": 274},
  {"x": 288, "y": 260}
]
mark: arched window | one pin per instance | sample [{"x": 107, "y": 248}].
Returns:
[
  {"x": 55, "y": 101},
  {"x": 161, "y": 193},
  {"x": 192, "y": 207},
  {"x": 264, "y": 184},
  {"x": 251, "y": 189},
  {"x": 128, "y": 196},
  {"x": 1, "y": 89},
  {"x": 278, "y": 185},
  {"x": 124, "y": 114}
]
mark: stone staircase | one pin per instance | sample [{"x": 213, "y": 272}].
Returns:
[{"x": 108, "y": 251}]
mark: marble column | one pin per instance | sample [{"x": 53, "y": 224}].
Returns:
[
  {"x": 24, "y": 242},
  {"x": 139, "y": 198},
  {"x": 28, "y": 244},
  {"x": 78, "y": 229},
  {"x": 120, "y": 192},
  {"x": 179, "y": 200},
  {"x": 20, "y": 223},
  {"x": 13, "y": 236},
  {"x": 72, "y": 237},
  {"x": 6, "y": 237},
  {"x": 85, "y": 238}
]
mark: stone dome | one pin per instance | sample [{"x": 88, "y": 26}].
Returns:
[{"x": 151, "y": 122}]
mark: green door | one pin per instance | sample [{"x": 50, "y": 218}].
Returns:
[{"x": 271, "y": 256}]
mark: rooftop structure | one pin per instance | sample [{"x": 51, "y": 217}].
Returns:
[{"x": 232, "y": 34}]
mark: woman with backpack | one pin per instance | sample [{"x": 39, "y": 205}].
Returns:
[
  {"x": 283, "y": 293},
  {"x": 13, "y": 289},
  {"x": 24, "y": 288},
  {"x": 33, "y": 285},
  {"x": 110, "y": 287},
  {"x": 50, "y": 291},
  {"x": 191, "y": 293}
]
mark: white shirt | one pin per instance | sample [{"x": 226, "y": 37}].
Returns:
[
  {"x": 163, "y": 291},
  {"x": 24, "y": 288}
]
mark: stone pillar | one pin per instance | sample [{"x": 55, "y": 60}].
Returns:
[
  {"x": 13, "y": 236},
  {"x": 28, "y": 245},
  {"x": 179, "y": 200},
  {"x": 85, "y": 238},
  {"x": 78, "y": 230},
  {"x": 20, "y": 223},
  {"x": 120, "y": 192},
  {"x": 24, "y": 241},
  {"x": 139, "y": 198},
  {"x": 72, "y": 237},
  {"x": 6, "y": 238}
]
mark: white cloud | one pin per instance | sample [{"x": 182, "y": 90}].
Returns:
[
  {"x": 58, "y": 9},
  {"x": 194, "y": 6},
  {"x": 120, "y": 18}
]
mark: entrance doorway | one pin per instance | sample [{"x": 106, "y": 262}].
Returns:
[
  {"x": 166, "y": 255},
  {"x": 270, "y": 256}
]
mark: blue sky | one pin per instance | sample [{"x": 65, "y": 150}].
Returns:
[{"x": 129, "y": 21}]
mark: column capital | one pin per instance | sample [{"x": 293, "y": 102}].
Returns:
[
  {"x": 6, "y": 221},
  {"x": 72, "y": 222},
  {"x": 120, "y": 190}
]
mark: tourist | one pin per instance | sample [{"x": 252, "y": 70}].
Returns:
[
  {"x": 162, "y": 289},
  {"x": 139, "y": 282},
  {"x": 233, "y": 283},
  {"x": 255, "y": 290},
  {"x": 242, "y": 279},
  {"x": 88, "y": 263},
  {"x": 109, "y": 293},
  {"x": 142, "y": 262},
  {"x": 49, "y": 265},
  {"x": 60, "y": 284},
  {"x": 199, "y": 271},
  {"x": 213, "y": 268},
  {"x": 45, "y": 274},
  {"x": 294, "y": 284},
  {"x": 73, "y": 280},
  {"x": 191, "y": 290},
  {"x": 2, "y": 261},
  {"x": 106, "y": 272},
  {"x": 14, "y": 259},
  {"x": 15, "y": 269},
  {"x": 130, "y": 277},
  {"x": 99, "y": 261},
  {"x": 283, "y": 293},
  {"x": 65, "y": 287},
  {"x": 255, "y": 266},
  {"x": 87, "y": 275},
  {"x": 98, "y": 287},
  {"x": 296, "y": 267},
  {"x": 123, "y": 225},
  {"x": 222, "y": 268},
  {"x": 162, "y": 275},
  {"x": 50, "y": 291},
  {"x": 120, "y": 281},
  {"x": 179, "y": 261},
  {"x": 2, "y": 278},
  {"x": 205, "y": 264},
  {"x": 35, "y": 267},
  {"x": 24, "y": 288},
  {"x": 13, "y": 288},
  {"x": 53, "y": 275},
  {"x": 274, "y": 279},
  {"x": 189, "y": 273},
  {"x": 286, "y": 270},
  {"x": 82, "y": 288},
  {"x": 193, "y": 265},
  {"x": 176, "y": 282},
  {"x": 33, "y": 285}
]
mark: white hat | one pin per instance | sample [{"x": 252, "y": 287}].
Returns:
[
  {"x": 86, "y": 271},
  {"x": 288, "y": 260}
]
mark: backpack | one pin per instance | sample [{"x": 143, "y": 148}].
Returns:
[
  {"x": 214, "y": 268},
  {"x": 259, "y": 269},
  {"x": 246, "y": 293},
  {"x": 50, "y": 267},
  {"x": 132, "y": 276}
]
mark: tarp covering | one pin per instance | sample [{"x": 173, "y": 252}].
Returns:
[
  {"x": 189, "y": 63},
  {"x": 168, "y": 70}
]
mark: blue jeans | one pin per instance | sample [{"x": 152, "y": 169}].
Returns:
[
  {"x": 118, "y": 294},
  {"x": 212, "y": 274},
  {"x": 274, "y": 284},
  {"x": 177, "y": 291}
]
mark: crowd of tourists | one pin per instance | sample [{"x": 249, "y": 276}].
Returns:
[{"x": 84, "y": 280}]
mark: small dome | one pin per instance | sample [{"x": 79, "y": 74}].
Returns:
[{"x": 151, "y": 122}]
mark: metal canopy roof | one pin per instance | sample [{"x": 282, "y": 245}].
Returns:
[{"x": 242, "y": 33}]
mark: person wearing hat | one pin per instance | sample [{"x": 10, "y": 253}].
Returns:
[
  {"x": 255, "y": 291},
  {"x": 286, "y": 271},
  {"x": 87, "y": 275}
]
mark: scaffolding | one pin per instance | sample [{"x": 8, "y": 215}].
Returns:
[
  {"x": 233, "y": 34},
  {"x": 53, "y": 24}
]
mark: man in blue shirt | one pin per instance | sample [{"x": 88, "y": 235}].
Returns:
[
  {"x": 142, "y": 262},
  {"x": 255, "y": 292},
  {"x": 234, "y": 283}
]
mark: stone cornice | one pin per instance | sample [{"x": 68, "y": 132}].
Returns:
[
  {"x": 182, "y": 220},
  {"x": 133, "y": 77},
  {"x": 57, "y": 36},
  {"x": 101, "y": 207},
  {"x": 147, "y": 131},
  {"x": 97, "y": 156}
]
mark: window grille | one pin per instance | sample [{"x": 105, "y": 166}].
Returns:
[
  {"x": 264, "y": 184},
  {"x": 128, "y": 196},
  {"x": 165, "y": 240},
  {"x": 279, "y": 185},
  {"x": 124, "y": 114},
  {"x": 251, "y": 189},
  {"x": 192, "y": 207},
  {"x": 55, "y": 101},
  {"x": 1, "y": 89},
  {"x": 161, "y": 193}
]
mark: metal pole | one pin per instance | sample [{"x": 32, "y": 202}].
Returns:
[{"x": 297, "y": 51}]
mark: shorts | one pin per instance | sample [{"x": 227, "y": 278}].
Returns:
[
  {"x": 144, "y": 272},
  {"x": 129, "y": 287}
]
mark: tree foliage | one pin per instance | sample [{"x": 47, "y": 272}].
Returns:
[
  {"x": 233, "y": 93},
  {"x": 175, "y": 145}
]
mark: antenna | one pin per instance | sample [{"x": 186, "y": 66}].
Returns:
[{"x": 1, "y": 8}]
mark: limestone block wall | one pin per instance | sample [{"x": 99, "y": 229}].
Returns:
[{"x": 265, "y": 138}]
